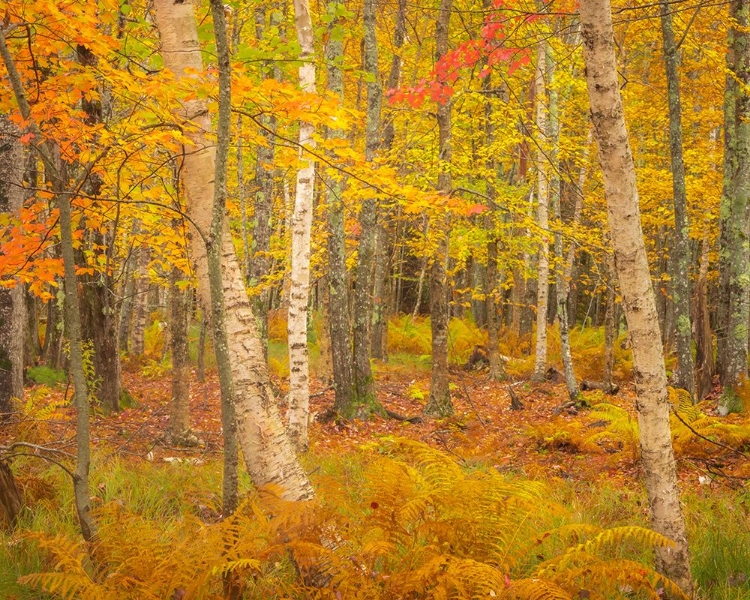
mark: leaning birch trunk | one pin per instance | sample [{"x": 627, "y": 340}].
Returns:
[
  {"x": 542, "y": 217},
  {"x": 299, "y": 368},
  {"x": 635, "y": 283},
  {"x": 268, "y": 454}
]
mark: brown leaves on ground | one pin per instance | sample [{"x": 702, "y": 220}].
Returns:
[{"x": 578, "y": 443}]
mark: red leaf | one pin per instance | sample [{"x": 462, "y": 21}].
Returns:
[{"x": 25, "y": 139}]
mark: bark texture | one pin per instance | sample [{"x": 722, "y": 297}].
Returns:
[
  {"x": 342, "y": 357},
  {"x": 440, "y": 403},
  {"x": 13, "y": 300},
  {"x": 299, "y": 292},
  {"x": 542, "y": 218},
  {"x": 736, "y": 351},
  {"x": 268, "y": 454},
  {"x": 368, "y": 221},
  {"x": 179, "y": 411},
  {"x": 685, "y": 374},
  {"x": 632, "y": 267}
]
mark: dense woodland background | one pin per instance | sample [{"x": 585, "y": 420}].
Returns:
[{"x": 365, "y": 245}]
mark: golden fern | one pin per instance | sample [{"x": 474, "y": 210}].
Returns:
[
  {"x": 683, "y": 404},
  {"x": 534, "y": 589}
]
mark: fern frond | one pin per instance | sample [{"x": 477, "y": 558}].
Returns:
[{"x": 534, "y": 589}]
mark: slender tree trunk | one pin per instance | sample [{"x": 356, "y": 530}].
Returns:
[
  {"x": 440, "y": 403},
  {"x": 13, "y": 300},
  {"x": 542, "y": 290},
  {"x": 140, "y": 301},
  {"x": 201, "y": 353},
  {"x": 342, "y": 356},
  {"x": 725, "y": 214},
  {"x": 368, "y": 221},
  {"x": 561, "y": 284},
  {"x": 56, "y": 171},
  {"x": 215, "y": 267},
  {"x": 739, "y": 260},
  {"x": 299, "y": 368},
  {"x": 126, "y": 305},
  {"x": 81, "y": 394},
  {"x": 705, "y": 366},
  {"x": 610, "y": 324},
  {"x": 269, "y": 456},
  {"x": 685, "y": 375},
  {"x": 496, "y": 372},
  {"x": 635, "y": 283},
  {"x": 54, "y": 334},
  {"x": 178, "y": 427}
]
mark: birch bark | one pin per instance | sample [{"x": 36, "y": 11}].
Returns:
[
  {"x": 635, "y": 283},
  {"x": 299, "y": 292},
  {"x": 268, "y": 454}
]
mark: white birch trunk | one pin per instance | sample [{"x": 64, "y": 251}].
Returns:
[
  {"x": 542, "y": 216},
  {"x": 269, "y": 456},
  {"x": 299, "y": 369},
  {"x": 635, "y": 284}
]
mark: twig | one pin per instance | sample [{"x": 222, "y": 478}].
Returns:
[{"x": 703, "y": 437}]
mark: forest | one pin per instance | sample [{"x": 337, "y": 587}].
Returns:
[{"x": 360, "y": 299}]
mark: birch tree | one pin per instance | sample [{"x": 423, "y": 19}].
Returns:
[
  {"x": 268, "y": 454},
  {"x": 542, "y": 217},
  {"x": 632, "y": 268},
  {"x": 299, "y": 367}
]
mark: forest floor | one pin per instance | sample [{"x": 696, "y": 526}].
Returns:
[
  {"x": 586, "y": 456},
  {"x": 540, "y": 441}
]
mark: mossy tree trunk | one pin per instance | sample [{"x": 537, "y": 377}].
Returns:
[
  {"x": 736, "y": 352},
  {"x": 685, "y": 374},
  {"x": 342, "y": 357}
]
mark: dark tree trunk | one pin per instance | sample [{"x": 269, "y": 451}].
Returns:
[
  {"x": 684, "y": 376},
  {"x": 179, "y": 412},
  {"x": 440, "y": 403}
]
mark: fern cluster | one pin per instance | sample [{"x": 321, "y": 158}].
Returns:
[{"x": 416, "y": 526}]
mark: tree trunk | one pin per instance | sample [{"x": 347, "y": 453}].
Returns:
[
  {"x": 179, "y": 409},
  {"x": 140, "y": 301},
  {"x": 561, "y": 283},
  {"x": 497, "y": 372},
  {"x": 440, "y": 404},
  {"x": 214, "y": 240},
  {"x": 368, "y": 221},
  {"x": 739, "y": 261},
  {"x": 342, "y": 356},
  {"x": 684, "y": 376},
  {"x": 269, "y": 456},
  {"x": 635, "y": 283},
  {"x": 725, "y": 215},
  {"x": 299, "y": 368},
  {"x": 13, "y": 300},
  {"x": 705, "y": 366},
  {"x": 542, "y": 290},
  {"x": 11, "y": 500}
]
